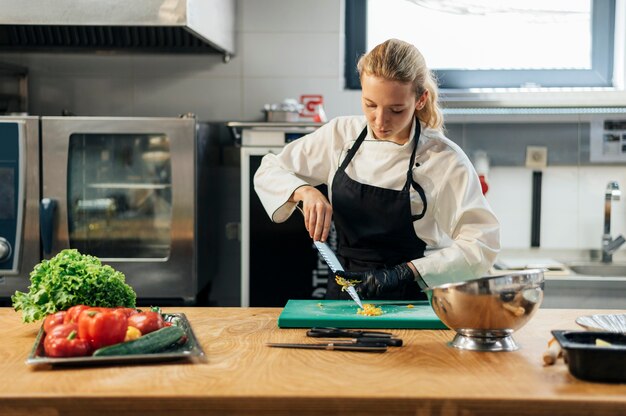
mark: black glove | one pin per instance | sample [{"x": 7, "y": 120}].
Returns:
[{"x": 378, "y": 282}]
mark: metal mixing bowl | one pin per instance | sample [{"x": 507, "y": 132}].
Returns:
[{"x": 485, "y": 312}]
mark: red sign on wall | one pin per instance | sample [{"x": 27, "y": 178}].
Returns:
[{"x": 311, "y": 103}]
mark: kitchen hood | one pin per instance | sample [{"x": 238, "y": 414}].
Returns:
[{"x": 183, "y": 26}]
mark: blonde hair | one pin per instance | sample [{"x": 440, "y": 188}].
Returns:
[{"x": 396, "y": 60}]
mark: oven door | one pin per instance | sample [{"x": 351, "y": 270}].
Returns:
[
  {"x": 19, "y": 202},
  {"x": 124, "y": 192}
]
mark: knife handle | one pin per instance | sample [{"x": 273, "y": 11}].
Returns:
[
  {"x": 357, "y": 347},
  {"x": 391, "y": 342},
  {"x": 328, "y": 332}
]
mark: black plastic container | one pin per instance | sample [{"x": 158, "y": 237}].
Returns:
[{"x": 588, "y": 361}]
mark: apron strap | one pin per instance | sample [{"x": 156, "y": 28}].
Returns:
[
  {"x": 418, "y": 188},
  {"x": 353, "y": 149},
  {"x": 409, "y": 174}
]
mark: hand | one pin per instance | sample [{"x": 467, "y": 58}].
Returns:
[
  {"x": 317, "y": 211},
  {"x": 378, "y": 282}
]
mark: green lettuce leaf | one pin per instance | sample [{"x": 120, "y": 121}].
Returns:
[{"x": 71, "y": 278}]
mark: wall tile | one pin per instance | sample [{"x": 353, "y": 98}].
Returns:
[
  {"x": 510, "y": 198},
  {"x": 559, "y": 208},
  {"x": 210, "y": 99},
  {"x": 289, "y": 16},
  {"x": 90, "y": 96},
  {"x": 13, "y": 58},
  {"x": 186, "y": 66},
  {"x": 291, "y": 55},
  {"x": 80, "y": 64}
]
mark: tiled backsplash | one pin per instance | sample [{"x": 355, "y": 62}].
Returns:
[
  {"x": 572, "y": 197},
  {"x": 572, "y": 205}
]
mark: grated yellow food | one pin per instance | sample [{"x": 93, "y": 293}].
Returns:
[
  {"x": 345, "y": 283},
  {"x": 370, "y": 310}
]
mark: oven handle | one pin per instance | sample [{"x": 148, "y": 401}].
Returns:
[{"x": 47, "y": 209}]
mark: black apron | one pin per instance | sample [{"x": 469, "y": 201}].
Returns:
[{"x": 375, "y": 225}]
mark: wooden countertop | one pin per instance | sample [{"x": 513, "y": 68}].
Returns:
[{"x": 243, "y": 376}]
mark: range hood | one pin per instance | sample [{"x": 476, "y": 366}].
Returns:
[{"x": 184, "y": 26}]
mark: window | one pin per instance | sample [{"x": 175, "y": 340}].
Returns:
[{"x": 492, "y": 43}]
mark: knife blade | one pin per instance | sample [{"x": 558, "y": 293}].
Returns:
[
  {"x": 355, "y": 296},
  {"x": 333, "y": 346},
  {"x": 333, "y": 262}
]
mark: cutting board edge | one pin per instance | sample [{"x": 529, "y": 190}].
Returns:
[
  {"x": 289, "y": 321},
  {"x": 362, "y": 325}
]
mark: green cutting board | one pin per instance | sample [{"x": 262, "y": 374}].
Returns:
[{"x": 342, "y": 314}]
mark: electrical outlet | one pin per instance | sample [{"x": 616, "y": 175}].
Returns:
[{"x": 536, "y": 157}]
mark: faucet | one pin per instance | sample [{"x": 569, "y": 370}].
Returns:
[{"x": 609, "y": 246}]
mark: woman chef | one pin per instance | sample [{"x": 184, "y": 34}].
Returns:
[{"x": 397, "y": 186}]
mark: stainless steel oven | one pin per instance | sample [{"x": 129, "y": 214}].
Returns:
[
  {"x": 19, "y": 202},
  {"x": 129, "y": 191}
]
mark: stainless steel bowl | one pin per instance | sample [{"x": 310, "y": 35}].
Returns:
[{"x": 485, "y": 312}]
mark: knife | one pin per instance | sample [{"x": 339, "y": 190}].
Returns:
[
  {"x": 357, "y": 336},
  {"x": 390, "y": 342},
  {"x": 333, "y": 263},
  {"x": 334, "y": 346}
]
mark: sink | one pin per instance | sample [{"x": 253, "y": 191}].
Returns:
[{"x": 599, "y": 269}]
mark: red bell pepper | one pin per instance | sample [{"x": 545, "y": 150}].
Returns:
[
  {"x": 146, "y": 322},
  {"x": 53, "y": 320},
  {"x": 62, "y": 331},
  {"x": 63, "y": 341},
  {"x": 102, "y": 327},
  {"x": 128, "y": 311},
  {"x": 74, "y": 312}
]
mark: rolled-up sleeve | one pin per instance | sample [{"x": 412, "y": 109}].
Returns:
[{"x": 306, "y": 161}]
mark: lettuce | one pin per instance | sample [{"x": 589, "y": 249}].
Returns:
[{"x": 71, "y": 278}]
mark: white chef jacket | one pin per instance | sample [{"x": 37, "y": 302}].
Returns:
[{"x": 460, "y": 230}]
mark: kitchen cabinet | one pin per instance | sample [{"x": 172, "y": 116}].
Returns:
[{"x": 243, "y": 376}]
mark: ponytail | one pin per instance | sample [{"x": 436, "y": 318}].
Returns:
[{"x": 431, "y": 114}]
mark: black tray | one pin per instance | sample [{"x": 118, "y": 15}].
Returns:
[
  {"x": 190, "y": 350},
  {"x": 588, "y": 361}
]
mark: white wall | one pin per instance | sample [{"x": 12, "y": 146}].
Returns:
[{"x": 285, "y": 49}]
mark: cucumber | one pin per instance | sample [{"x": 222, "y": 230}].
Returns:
[{"x": 146, "y": 344}]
